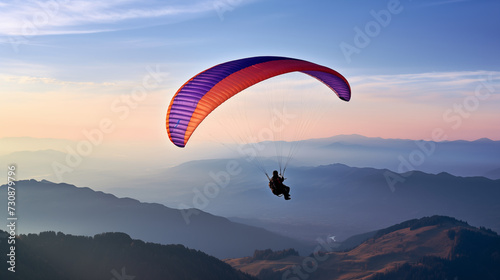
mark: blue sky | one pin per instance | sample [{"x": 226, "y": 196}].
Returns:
[
  {"x": 424, "y": 36},
  {"x": 80, "y": 55}
]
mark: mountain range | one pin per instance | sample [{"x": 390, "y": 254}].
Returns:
[
  {"x": 111, "y": 165},
  {"x": 224, "y": 208},
  {"x": 436, "y": 247},
  {"x": 46, "y": 206},
  {"x": 332, "y": 199}
]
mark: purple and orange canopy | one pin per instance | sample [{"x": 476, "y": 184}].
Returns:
[{"x": 204, "y": 92}]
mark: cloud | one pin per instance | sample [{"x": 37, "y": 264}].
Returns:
[
  {"x": 446, "y": 2},
  {"x": 32, "y": 18},
  {"x": 48, "y": 81},
  {"x": 424, "y": 86}
]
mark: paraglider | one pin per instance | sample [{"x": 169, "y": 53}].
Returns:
[
  {"x": 204, "y": 92},
  {"x": 277, "y": 187}
]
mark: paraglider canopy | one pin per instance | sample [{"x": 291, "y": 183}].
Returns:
[{"x": 204, "y": 92}]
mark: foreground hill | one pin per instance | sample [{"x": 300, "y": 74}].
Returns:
[
  {"x": 51, "y": 256},
  {"x": 44, "y": 206},
  {"x": 435, "y": 247}
]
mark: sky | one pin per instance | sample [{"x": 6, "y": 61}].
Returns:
[{"x": 106, "y": 70}]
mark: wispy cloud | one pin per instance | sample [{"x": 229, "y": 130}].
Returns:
[
  {"x": 31, "y": 18},
  {"x": 47, "y": 81},
  {"x": 422, "y": 86},
  {"x": 446, "y": 2}
]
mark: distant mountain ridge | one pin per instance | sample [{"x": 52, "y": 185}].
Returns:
[
  {"x": 458, "y": 157},
  {"x": 340, "y": 200},
  {"x": 43, "y": 206},
  {"x": 328, "y": 200}
]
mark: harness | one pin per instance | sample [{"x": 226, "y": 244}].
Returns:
[{"x": 276, "y": 191}]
